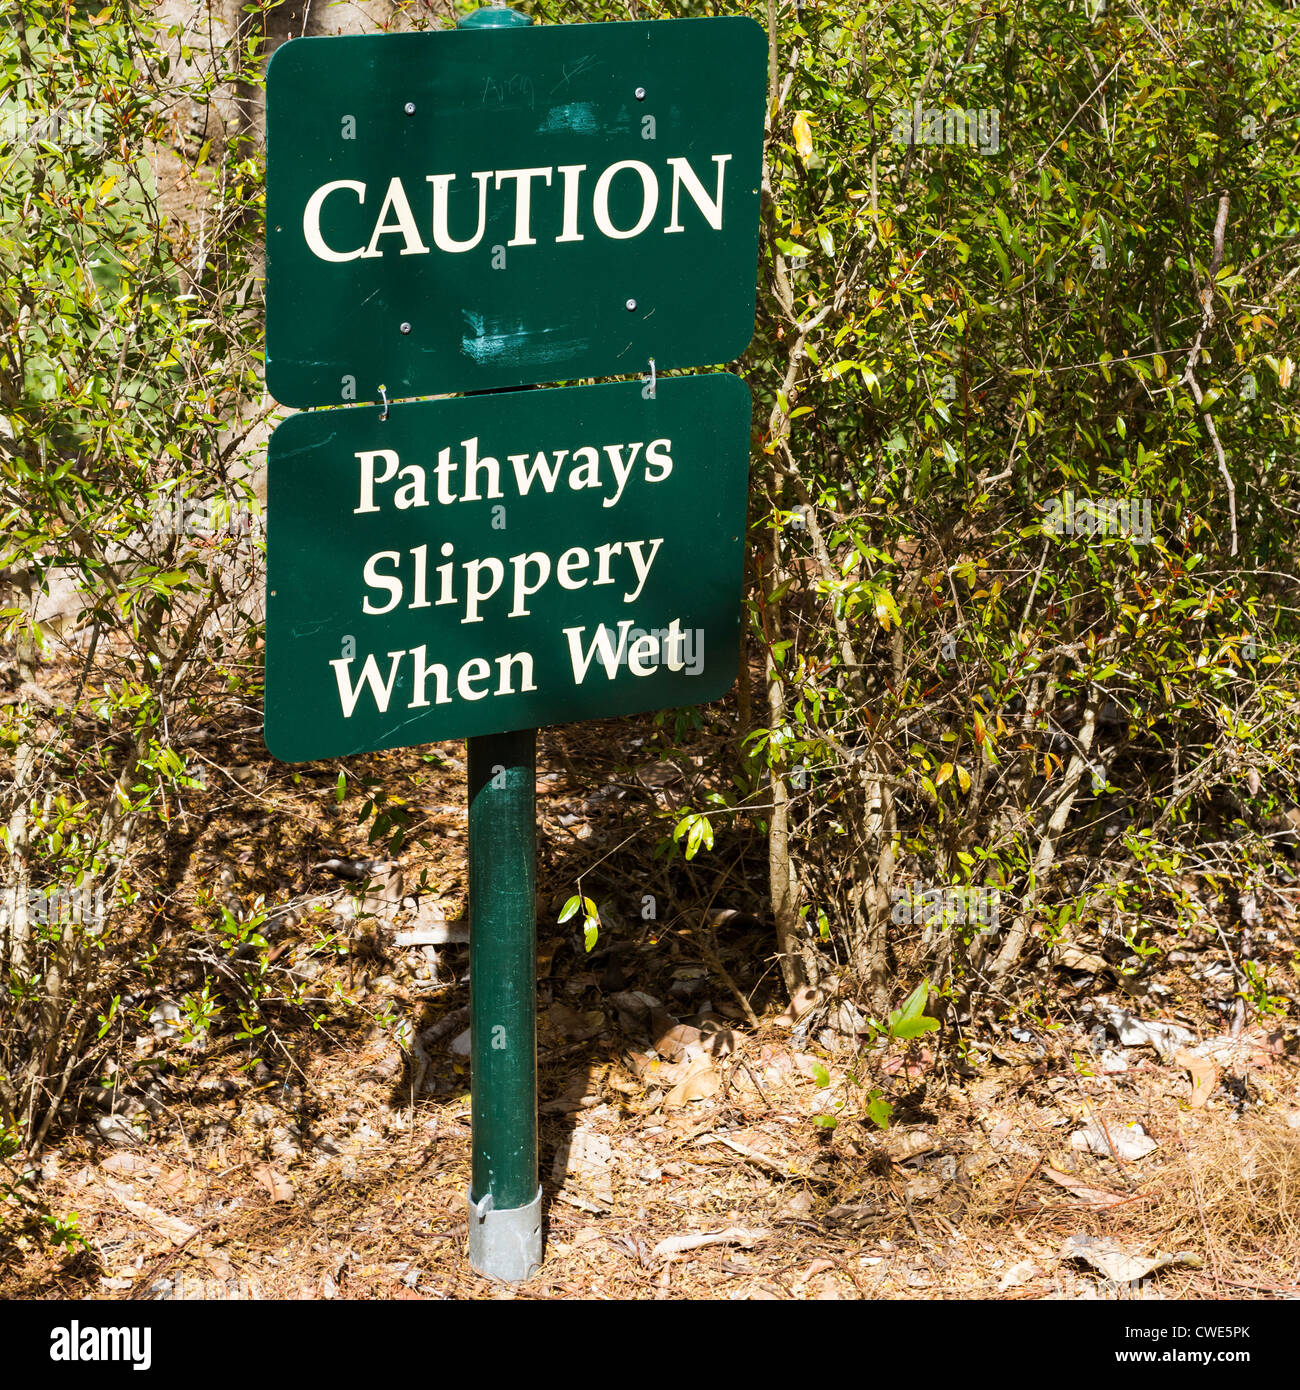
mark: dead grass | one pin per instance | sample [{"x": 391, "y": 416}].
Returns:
[
  {"x": 945, "y": 1204},
  {"x": 1236, "y": 1188}
]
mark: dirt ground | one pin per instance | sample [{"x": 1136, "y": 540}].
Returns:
[{"x": 698, "y": 1139}]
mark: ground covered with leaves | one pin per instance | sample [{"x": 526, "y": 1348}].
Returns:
[{"x": 1133, "y": 1134}]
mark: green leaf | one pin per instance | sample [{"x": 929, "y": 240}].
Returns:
[
  {"x": 879, "y": 1110},
  {"x": 911, "y": 1021},
  {"x": 697, "y": 830},
  {"x": 913, "y": 1029},
  {"x": 1003, "y": 262}
]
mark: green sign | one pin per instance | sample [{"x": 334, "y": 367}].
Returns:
[
  {"x": 492, "y": 563},
  {"x": 458, "y": 210}
]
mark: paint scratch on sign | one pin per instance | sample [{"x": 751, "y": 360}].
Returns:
[
  {"x": 574, "y": 68},
  {"x": 517, "y": 343},
  {"x": 394, "y": 730},
  {"x": 307, "y": 448},
  {"x": 310, "y": 629},
  {"x": 577, "y": 116}
]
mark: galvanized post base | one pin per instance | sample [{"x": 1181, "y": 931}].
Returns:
[{"x": 505, "y": 1244}]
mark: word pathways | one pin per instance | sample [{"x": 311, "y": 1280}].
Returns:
[{"x": 490, "y": 563}]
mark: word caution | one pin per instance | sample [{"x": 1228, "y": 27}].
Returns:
[{"x": 577, "y": 217}]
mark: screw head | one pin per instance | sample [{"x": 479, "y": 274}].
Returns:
[
  {"x": 631, "y": 305},
  {"x": 410, "y": 108},
  {"x": 406, "y": 328},
  {"x": 640, "y": 93}
]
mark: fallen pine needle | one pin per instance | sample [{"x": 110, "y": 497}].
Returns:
[{"x": 733, "y": 1235}]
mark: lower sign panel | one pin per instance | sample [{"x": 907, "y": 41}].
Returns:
[{"x": 499, "y": 562}]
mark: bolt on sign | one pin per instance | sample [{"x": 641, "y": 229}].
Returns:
[
  {"x": 491, "y": 563},
  {"x": 458, "y": 210}
]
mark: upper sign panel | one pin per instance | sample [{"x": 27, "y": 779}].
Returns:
[{"x": 465, "y": 209}]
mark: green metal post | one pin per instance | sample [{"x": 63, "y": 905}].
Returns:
[
  {"x": 505, "y": 1238},
  {"x": 494, "y": 17},
  {"x": 505, "y": 1197}
]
